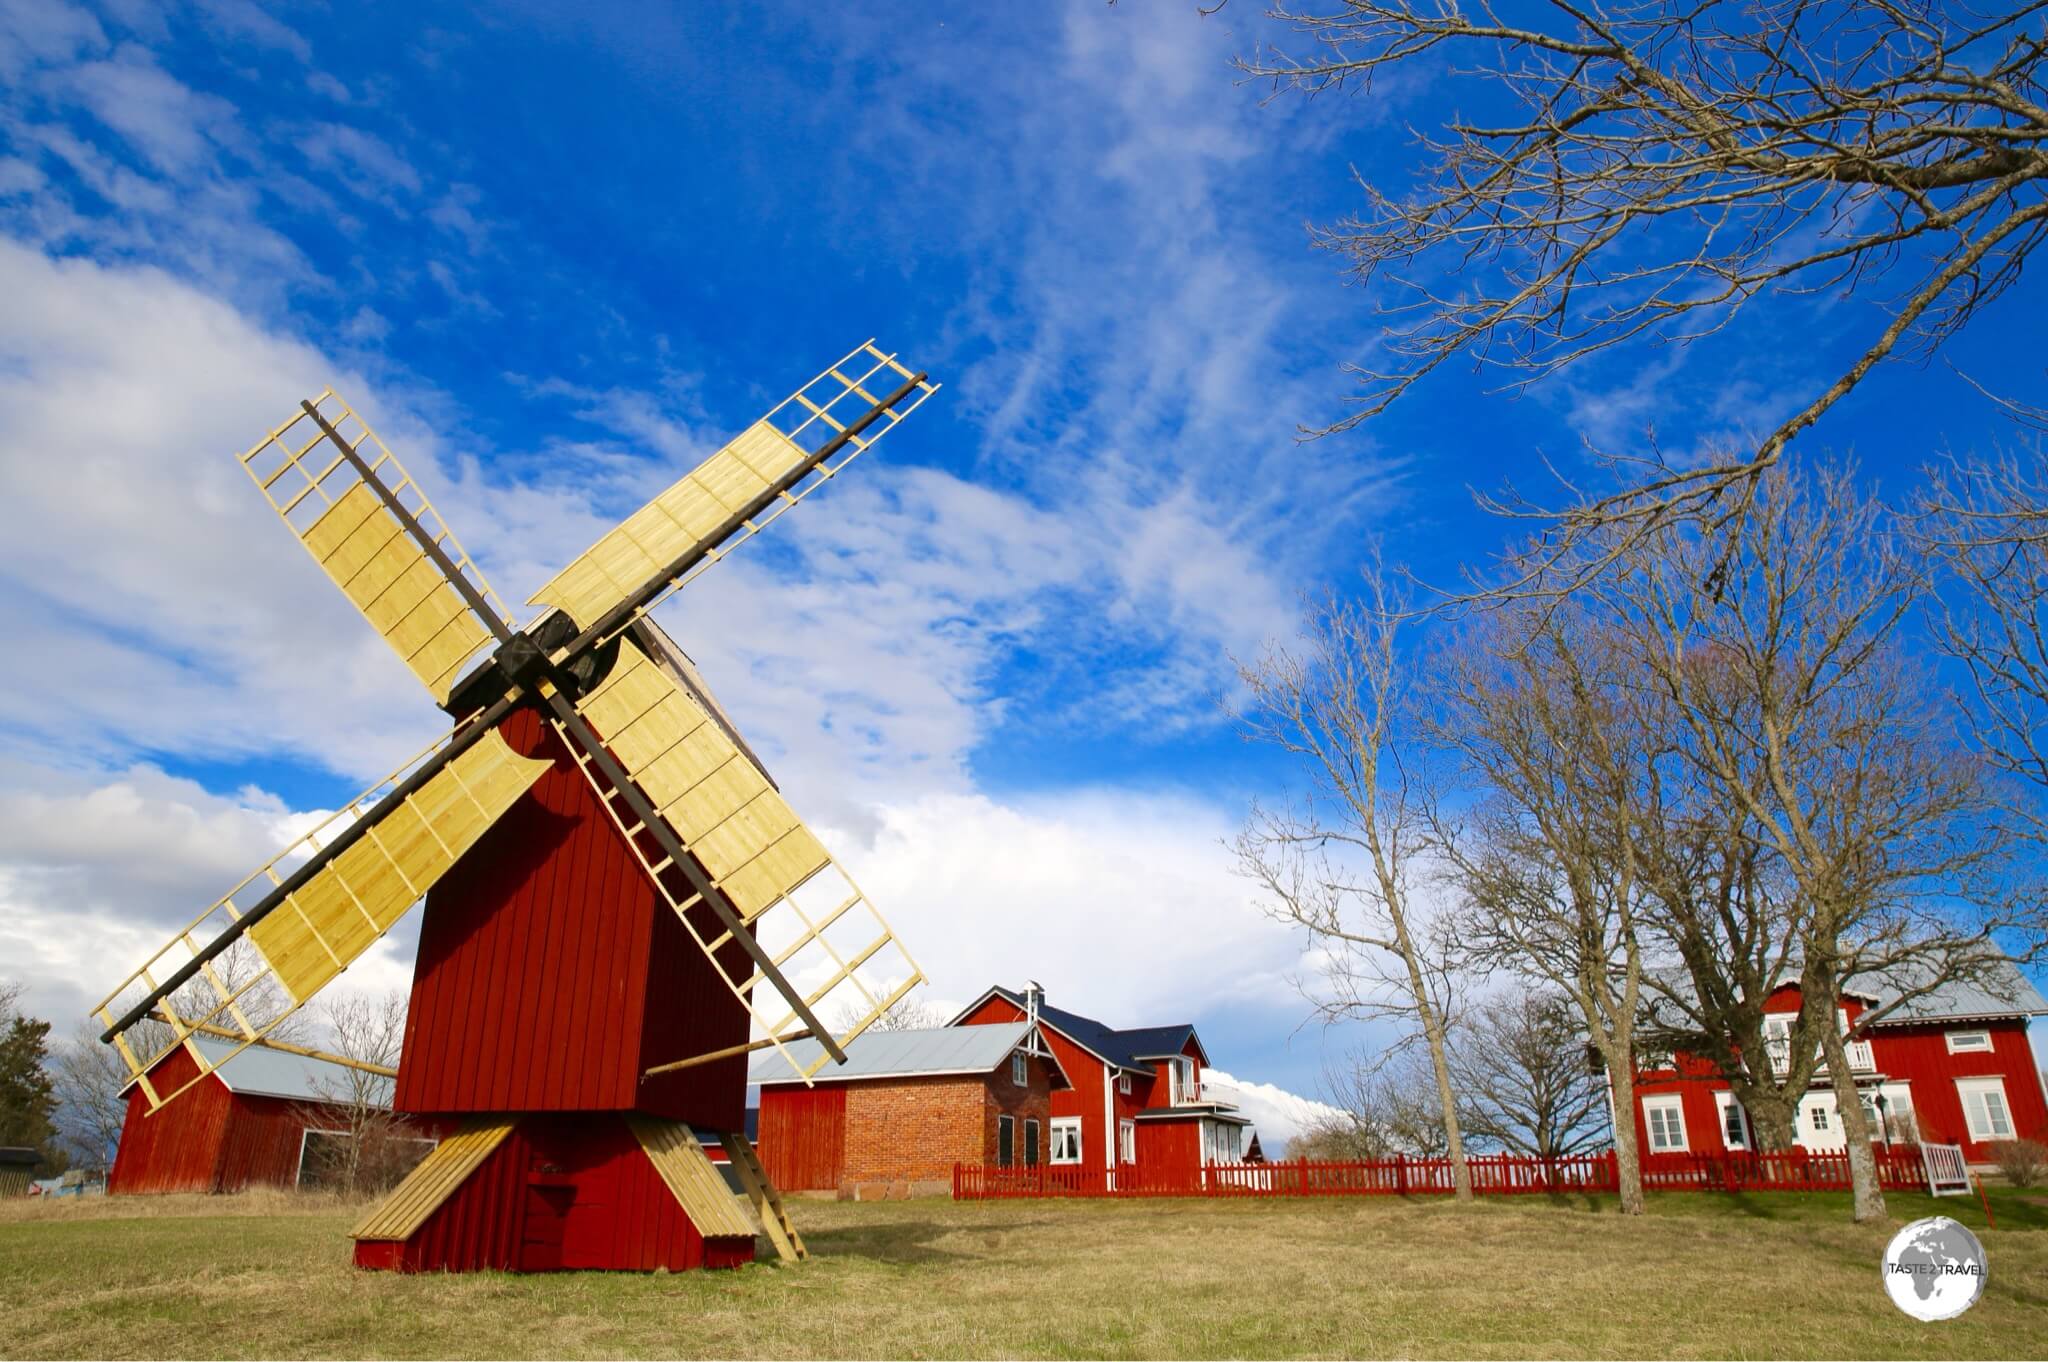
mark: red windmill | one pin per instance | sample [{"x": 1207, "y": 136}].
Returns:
[{"x": 619, "y": 904}]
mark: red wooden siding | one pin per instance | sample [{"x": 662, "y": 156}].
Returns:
[
  {"x": 550, "y": 976},
  {"x": 1084, "y": 1071},
  {"x": 178, "y": 1149},
  {"x": 1916, "y": 1055},
  {"x": 1170, "y": 1150},
  {"x": 802, "y": 1137},
  {"x": 562, "y": 1193}
]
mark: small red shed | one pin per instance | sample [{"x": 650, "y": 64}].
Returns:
[
  {"x": 248, "y": 1125},
  {"x": 905, "y": 1107}
]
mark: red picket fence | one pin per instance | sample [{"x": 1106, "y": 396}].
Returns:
[{"x": 1793, "y": 1170}]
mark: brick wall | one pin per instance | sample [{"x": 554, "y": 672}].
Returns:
[{"x": 912, "y": 1131}]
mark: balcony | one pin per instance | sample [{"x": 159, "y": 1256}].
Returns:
[{"x": 1861, "y": 1060}]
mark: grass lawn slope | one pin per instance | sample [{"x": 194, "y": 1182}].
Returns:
[{"x": 267, "y": 1275}]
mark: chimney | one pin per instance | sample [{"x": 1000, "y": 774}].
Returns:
[{"x": 1034, "y": 999}]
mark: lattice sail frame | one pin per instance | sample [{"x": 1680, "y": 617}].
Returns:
[
  {"x": 329, "y": 922},
  {"x": 817, "y": 925},
  {"x": 704, "y": 497},
  {"x": 359, "y": 543}
]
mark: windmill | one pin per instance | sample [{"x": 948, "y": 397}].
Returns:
[{"x": 620, "y": 906}]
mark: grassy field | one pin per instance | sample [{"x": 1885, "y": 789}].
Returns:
[{"x": 1703, "y": 1275}]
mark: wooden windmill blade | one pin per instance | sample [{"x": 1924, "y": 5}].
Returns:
[
  {"x": 326, "y": 474},
  {"x": 812, "y": 935},
  {"x": 255, "y": 957},
  {"x": 702, "y": 502}
]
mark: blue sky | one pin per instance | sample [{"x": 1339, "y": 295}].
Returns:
[{"x": 558, "y": 257}]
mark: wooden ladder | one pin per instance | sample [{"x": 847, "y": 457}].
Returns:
[{"x": 768, "y": 1208}]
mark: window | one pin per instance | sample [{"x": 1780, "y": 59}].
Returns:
[
  {"x": 1066, "y": 1139},
  {"x": 1734, "y": 1122},
  {"x": 1968, "y": 1042},
  {"x": 1006, "y": 1141},
  {"x": 1031, "y": 1143},
  {"x": 1665, "y": 1120},
  {"x": 1123, "y": 1084},
  {"x": 1127, "y": 1141},
  {"x": 1020, "y": 1072},
  {"x": 1225, "y": 1143},
  {"x": 1984, "y": 1108},
  {"x": 1818, "y": 1115}
]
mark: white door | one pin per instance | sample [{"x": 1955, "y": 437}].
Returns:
[{"x": 1820, "y": 1125}]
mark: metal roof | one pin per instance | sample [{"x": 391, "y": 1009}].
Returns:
[
  {"x": 273, "y": 1073},
  {"x": 901, "y": 1054},
  {"x": 2002, "y": 992}
]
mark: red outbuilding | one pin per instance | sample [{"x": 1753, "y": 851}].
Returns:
[
  {"x": 1953, "y": 1066},
  {"x": 1136, "y": 1100},
  {"x": 251, "y": 1123},
  {"x": 905, "y": 1107}
]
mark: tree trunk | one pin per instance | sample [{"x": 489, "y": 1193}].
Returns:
[
  {"x": 1454, "y": 1138},
  {"x": 1868, "y": 1193},
  {"x": 1772, "y": 1115},
  {"x": 1628, "y": 1160}
]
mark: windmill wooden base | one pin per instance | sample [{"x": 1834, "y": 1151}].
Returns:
[{"x": 556, "y": 1193}]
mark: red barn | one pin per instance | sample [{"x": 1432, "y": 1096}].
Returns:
[
  {"x": 248, "y": 1125},
  {"x": 1136, "y": 1100},
  {"x": 1951, "y": 1067},
  {"x": 906, "y": 1106}
]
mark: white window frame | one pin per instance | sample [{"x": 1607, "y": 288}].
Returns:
[
  {"x": 1956, "y": 1046},
  {"x": 1673, "y": 1104},
  {"x": 1123, "y": 1084},
  {"x": 1817, "y": 1118},
  {"x": 1723, "y": 1102},
  {"x": 1008, "y": 1123},
  {"x": 1127, "y": 1142},
  {"x": 1020, "y": 1070},
  {"x": 1034, "y": 1147},
  {"x": 1985, "y": 1086},
  {"x": 1060, "y": 1126}
]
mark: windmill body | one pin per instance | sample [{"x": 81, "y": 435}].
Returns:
[{"x": 619, "y": 905}]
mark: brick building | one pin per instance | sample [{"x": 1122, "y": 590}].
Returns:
[{"x": 907, "y": 1106}]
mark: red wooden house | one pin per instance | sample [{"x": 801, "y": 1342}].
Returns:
[
  {"x": 905, "y": 1107},
  {"x": 249, "y": 1124},
  {"x": 1136, "y": 1099},
  {"x": 1952, "y": 1067}
]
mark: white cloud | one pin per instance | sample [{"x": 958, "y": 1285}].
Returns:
[{"x": 1277, "y": 1114}]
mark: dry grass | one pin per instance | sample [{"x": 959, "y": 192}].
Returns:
[{"x": 1703, "y": 1276}]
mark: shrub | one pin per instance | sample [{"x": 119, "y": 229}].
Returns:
[{"x": 2023, "y": 1162}]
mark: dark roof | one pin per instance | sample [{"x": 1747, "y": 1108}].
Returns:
[
  {"x": 18, "y": 1155},
  {"x": 1126, "y": 1049}
]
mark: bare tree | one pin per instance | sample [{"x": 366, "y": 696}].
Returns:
[
  {"x": 1795, "y": 699},
  {"x": 1392, "y": 1104},
  {"x": 1343, "y": 861},
  {"x": 908, "y": 1014},
  {"x": 1523, "y": 1082},
  {"x": 91, "y": 1105},
  {"x": 370, "y": 1146},
  {"x": 1557, "y": 753},
  {"x": 1986, "y": 523},
  {"x": 1649, "y": 170}
]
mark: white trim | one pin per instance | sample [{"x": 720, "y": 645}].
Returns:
[
  {"x": 1020, "y": 1069},
  {"x": 1127, "y": 1132},
  {"x": 1034, "y": 1143},
  {"x": 1953, "y": 1040},
  {"x": 1669, "y": 1102},
  {"x": 1062, "y": 1125},
  {"x": 1724, "y": 1101},
  {"x": 1108, "y": 1125},
  {"x": 1123, "y": 1083},
  {"x": 1001, "y": 1122},
  {"x": 1985, "y": 1085}
]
